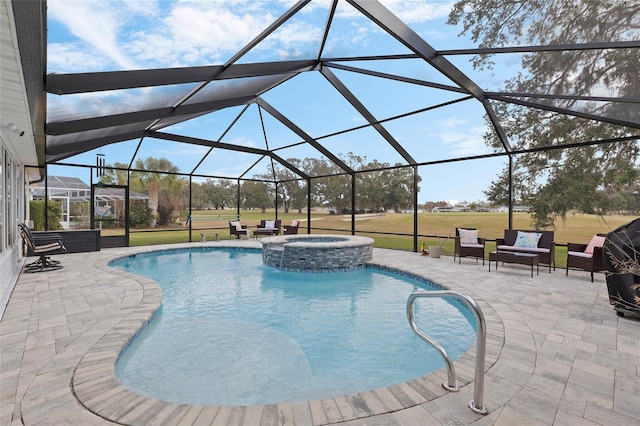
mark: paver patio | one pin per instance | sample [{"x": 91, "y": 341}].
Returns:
[{"x": 557, "y": 354}]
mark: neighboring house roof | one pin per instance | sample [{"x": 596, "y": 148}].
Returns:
[{"x": 63, "y": 186}]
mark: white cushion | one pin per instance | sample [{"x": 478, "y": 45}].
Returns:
[
  {"x": 269, "y": 224},
  {"x": 580, "y": 254},
  {"x": 468, "y": 236},
  {"x": 472, "y": 245},
  {"x": 523, "y": 249}
]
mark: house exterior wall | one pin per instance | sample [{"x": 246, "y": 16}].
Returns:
[{"x": 12, "y": 211}]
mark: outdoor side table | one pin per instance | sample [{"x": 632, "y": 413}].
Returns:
[{"x": 530, "y": 259}]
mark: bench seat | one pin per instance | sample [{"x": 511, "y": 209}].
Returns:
[
  {"x": 535, "y": 250},
  {"x": 545, "y": 249}
]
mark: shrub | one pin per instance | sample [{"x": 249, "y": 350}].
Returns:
[
  {"x": 165, "y": 215},
  {"x": 36, "y": 213},
  {"x": 140, "y": 215}
]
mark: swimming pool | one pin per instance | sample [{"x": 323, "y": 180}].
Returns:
[{"x": 232, "y": 331}]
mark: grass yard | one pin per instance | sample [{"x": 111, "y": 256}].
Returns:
[{"x": 577, "y": 228}]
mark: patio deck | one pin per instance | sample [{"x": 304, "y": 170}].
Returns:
[{"x": 557, "y": 354}]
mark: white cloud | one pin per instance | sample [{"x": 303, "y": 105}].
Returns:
[
  {"x": 469, "y": 145},
  {"x": 72, "y": 57},
  {"x": 412, "y": 11},
  {"x": 461, "y": 140},
  {"x": 214, "y": 27},
  {"x": 191, "y": 32},
  {"x": 199, "y": 32},
  {"x": 95, "y": 23},
  {"x": 179, "y": 151},
  {"x": 453, "y": 122},
  {"x": 418, "y": 11},
  {"x": 242, "y": 141}
]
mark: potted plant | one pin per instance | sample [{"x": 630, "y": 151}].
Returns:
[{"x": 436, "y": 251}]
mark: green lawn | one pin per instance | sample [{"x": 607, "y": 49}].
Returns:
[{"x": 576, "y": 227}]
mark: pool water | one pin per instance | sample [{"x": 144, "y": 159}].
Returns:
[{"x": 232, "y": 331}]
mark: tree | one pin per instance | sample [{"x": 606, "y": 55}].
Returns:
[
  {"x": 555, "y": 182},
  {"x": 221, "y": 193},
  {"x": 389, "y": 188},
  {"x": 198, "y": 195},
  {"x": 172, "y": 199},
  {"x": 333, "y": 190},
  {"x": 256, "y": 194},
  {"x": 151, "y": 171},
  {"x": 392, "y": 188},
  {"x": 397, "y": 185},
  {"x": 291, "y": 190},
  {"x": 116, "y": 175}
]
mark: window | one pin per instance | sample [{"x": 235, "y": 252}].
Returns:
[
  {"x": 8, "y": 199},
  {"x": 2, "y": 225}
]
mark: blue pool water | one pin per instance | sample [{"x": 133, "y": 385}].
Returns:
[{"x": 232, "y": 331}]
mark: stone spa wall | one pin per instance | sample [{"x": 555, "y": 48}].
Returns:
[{"x": 316, "y": 253}]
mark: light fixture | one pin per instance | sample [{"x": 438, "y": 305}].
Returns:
[{"x": 13, "y": 128}]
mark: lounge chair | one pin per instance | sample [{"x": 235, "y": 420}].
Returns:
[
  {"x": 235, "y": 228},
  {"x": 42, "y": 247},
  {"x": 268, "y": 227},
  {"x": 291, "y": 229},
  {"x": 587, "y": 257},
  {"x": 467, "y": 244}
]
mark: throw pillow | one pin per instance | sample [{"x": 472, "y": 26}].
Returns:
[
  {"x": 295, "y": 222},
  {"x": 527, "y": 239},
  {"x": 596, "y": 241},
  {"x": 468, "y": 236},
  {"x": 234, "y": 224},
  {"x": 269, "y": 224}
]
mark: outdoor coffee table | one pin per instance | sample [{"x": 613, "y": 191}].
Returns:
[
  {"x": 265, "y": 231},
  {"x": 530, "y": 259}
]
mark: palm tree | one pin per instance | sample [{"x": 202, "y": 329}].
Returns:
[{"x": 150, "y": 172}]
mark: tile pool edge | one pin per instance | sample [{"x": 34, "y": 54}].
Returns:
[{"x": 96, "y": 387}]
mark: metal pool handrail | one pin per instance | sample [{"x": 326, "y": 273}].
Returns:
[{"x": 476, "y": 405}]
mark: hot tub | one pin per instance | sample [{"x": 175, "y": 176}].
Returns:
[{"x": 317, "y": 253}]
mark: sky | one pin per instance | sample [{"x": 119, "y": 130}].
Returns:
[{"x": 93, "y": 36}]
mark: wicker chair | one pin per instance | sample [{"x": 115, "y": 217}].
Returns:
[
  {"x": 588, "y": 257},
  {"x": 235, "y": 228},
  {"x": 291, "y": 229},
  {"x": 465, "y": 246}
]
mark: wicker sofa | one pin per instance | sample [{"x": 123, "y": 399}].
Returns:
[
  {"x": 545, "y": 247},
  {"x": 268, "y": 227}
]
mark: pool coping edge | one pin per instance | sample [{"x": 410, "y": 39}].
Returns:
[{"x": 96, "y": 387}]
